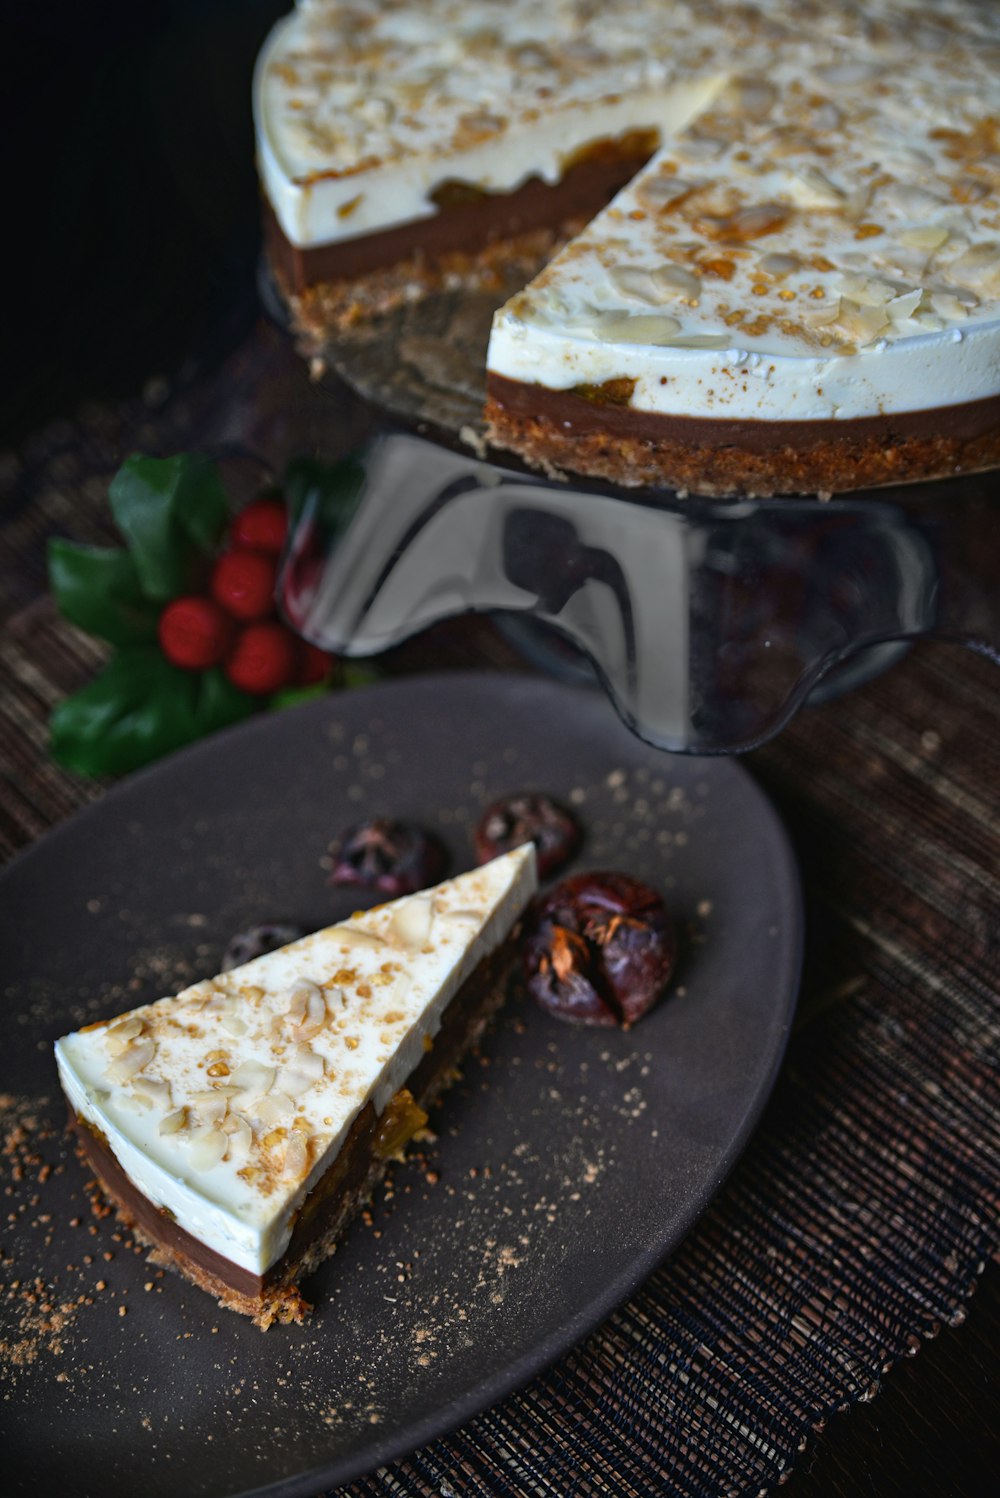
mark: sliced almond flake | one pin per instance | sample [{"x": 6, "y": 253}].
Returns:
[
  {"x": 239, "y": 1133},
  {"x": 808, "y": 187},
  {"x": 635, "y": 282},
  {"x": 348, "y": 936},
  {"x": 752, "y": 97},
  {"x": 861, "y": 323},
  {"x": 411, "y": 923},
  {"x": 868, "y": 291},
  {"x": 253, "y": 1076},
  {"x": 978, "y": 267},
  {"x": 207, "y": 1148},
  {"x": 648, "y": 328},
  {"x": 233, "y": 1025},
  {"x": 662, "y": 190},
  {"x": 308, "y": 1061},
  {"x": 466, "y": 917},
  {"x": 930, "y": 321},
  {"x": 209, "y": 1106},
  {"x": 154, "y": 1089},
  {"x": 901, "y": 308},
  {"x": 125, "y": 1029},
  {"x": 820, "y": 314},
  {"x": 779, "y": 265},
  {"x": 273, "y": 1108},
  {"x": 293, "y": 1082},
  {"x": 702, "y": 340},
  {"x": 676, "y": 280},
  {"x": 174, "y": 1122},
  {"x": 296, "y": 1161},
  {"x": 697, "y": 147},
  {"x": 307, "y": 1008},
  {"x": 949, "y": 306},
  {"x": 131, "y": 1062}
]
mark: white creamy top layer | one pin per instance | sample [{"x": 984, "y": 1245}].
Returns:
[
  {"x": 226, "y": 1103},
  {"x": 818, "y": 238}
]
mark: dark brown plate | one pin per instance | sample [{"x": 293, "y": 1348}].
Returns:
[{"x": 569, "y": 1162}]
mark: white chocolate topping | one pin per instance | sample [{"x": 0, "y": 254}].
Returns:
[
  {"x": 818, "y": 237},
  {"x": 225, "y": 1104}
]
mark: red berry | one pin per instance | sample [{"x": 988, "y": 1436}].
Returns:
[
  {"x": 194, "y": 632},
  {"x": 262, "y": 659},
  {"x": 261, "y": 526},
  {"x": 313, "y": 665},
  {"x": 243, "y": 582}
]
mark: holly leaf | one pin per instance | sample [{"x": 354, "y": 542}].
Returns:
[
  {"x": 139, "y": 708},
  {"x": 98, "y": 589},
  {"x": 295, "y": 696},
  {"x": 329, "y": 493},
  {"x": 171, "y": 512}
]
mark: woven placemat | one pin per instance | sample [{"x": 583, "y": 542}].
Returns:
[{"x": 859, "y": 1218}]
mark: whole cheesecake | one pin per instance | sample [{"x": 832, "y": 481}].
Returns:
[{"x": 779, "y": 224}]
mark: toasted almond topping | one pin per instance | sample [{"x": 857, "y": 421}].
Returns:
[
  {"x": 927, "y": 237},
  {"x": 348, "y": 936},
  {"x": 411, "y": 923},
  {"x": 900, "y": 308},
  {"x": 648, "y": 329},
  {"x": 210, "y": 1106},
  {"x": 861, "y": 323},
  {"x": 239, "y": 1132},
  {"x": 273, "y": 1108},
  {"x": 131, "y": 1061},
  {"x": 779, "y": 265},
  {"x": 124, "y": 1030},
  {"x": 296, "y": 1161},
  {"x": 207, "y": 1148},
  {"x": 174, "y": 1122},
  {"x": 978, "y": 267},
  {"x": 253, "y": 1076},
  {"x": 153, "y": 1089}
]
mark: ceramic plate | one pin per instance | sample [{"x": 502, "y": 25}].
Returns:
[{"x": 568, "y": 1161}]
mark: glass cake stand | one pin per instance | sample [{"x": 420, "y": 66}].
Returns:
[{"x": 709, "y": 623}]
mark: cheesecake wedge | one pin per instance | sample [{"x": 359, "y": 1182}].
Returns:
[{"x": 236, "y": 1125}]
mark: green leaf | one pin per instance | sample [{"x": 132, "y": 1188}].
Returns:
[
  {"x": 139, "y": 708},
  {"x": 294, "y": 696},
  {"x": 358, "y": 673},
  {"x": 98, "y": 589},
  {"x": 171, "y": 512},
  {"x": 329, "y": 493}
]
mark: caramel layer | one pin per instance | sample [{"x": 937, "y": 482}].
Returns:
[{"x": 465, "y": 222}]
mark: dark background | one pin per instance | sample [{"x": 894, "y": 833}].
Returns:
[{"x": 132, "y": 204}]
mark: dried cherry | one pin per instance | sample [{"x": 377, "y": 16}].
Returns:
[
  {"x": 528, "y": 817},
  {"x": 256, "y": 940},
  {"x": 600, "y": 949},
  {"x": 394, "y": 857}
]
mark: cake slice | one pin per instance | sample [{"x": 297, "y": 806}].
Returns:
[{"x": 236, "y": 1125}]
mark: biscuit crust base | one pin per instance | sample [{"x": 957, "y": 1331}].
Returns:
[
  {"x": 557, "y": 429},
  {"x": 372, "y": 1143}
]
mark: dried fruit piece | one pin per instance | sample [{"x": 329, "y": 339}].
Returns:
[
  {"x": 600, "y": 949},
  {"x": 393, "y": 857},
  {"x": 256, "y": 940},
  {"x": 528, "y": 817}
]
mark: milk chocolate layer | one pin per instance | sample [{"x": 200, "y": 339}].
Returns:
[
  {"x": 353, "y": 1164},
  {"x": 466, "y": 219},
  {"x": 590, "y": 414}
]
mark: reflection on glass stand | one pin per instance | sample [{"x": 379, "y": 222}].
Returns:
[{"x": 708, "y": 622}]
